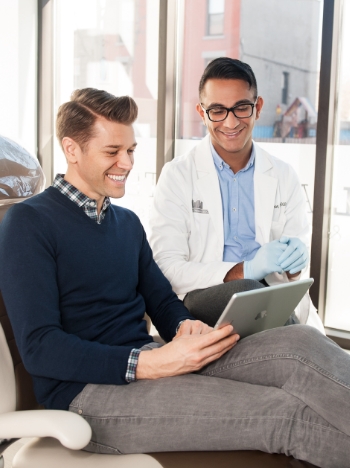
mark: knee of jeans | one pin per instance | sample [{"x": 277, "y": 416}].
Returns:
[{"x": 305, "y": 334}]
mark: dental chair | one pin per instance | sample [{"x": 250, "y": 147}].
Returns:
[{"x": 57, "y": 437}]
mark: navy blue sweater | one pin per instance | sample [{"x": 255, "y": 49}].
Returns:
[{"x": 76, "y": 293}]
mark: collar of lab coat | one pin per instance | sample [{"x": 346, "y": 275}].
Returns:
[{"x": 265, "y": 186}]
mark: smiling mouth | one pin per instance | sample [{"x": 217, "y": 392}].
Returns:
[
  {"x": 232, "y": 134},
  {"x": 117, "y": 178}
]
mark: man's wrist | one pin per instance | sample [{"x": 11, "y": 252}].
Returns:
[
  {"x": 234, "y": 273},
  {"x": 149, "y": 365},
  {"x": 293, "y": 276}
]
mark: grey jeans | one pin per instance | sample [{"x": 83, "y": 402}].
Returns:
[
  {"x": 208, "y": 304},
  {"x": 285, "y": 390}
]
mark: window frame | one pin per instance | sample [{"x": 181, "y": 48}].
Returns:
[{"x": 285, "y": 87}]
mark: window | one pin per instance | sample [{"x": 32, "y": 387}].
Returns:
[
  {"x": 287, "y": 131},
  {"x": 290, "y": 118},
  {"x": 113, "y": 46},
  {"x": 215, "y": 20}
]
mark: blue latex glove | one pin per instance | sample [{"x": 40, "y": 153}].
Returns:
[
  {"x": 265, "y": 261},
  {"x": 296, "y": 255}
]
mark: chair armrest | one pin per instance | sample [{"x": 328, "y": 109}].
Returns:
[{"x": 70, "y": 429}]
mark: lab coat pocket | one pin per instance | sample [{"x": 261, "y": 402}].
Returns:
[
  {"x": 201, "y": 234},
  {"x": 276, "y": 230},
  {"x": 201, "y": 223}
]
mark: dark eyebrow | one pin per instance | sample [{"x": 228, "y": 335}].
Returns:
[
  {"x": 113, "y": 146},
  {"x": 120, "y": 146},
  {"x": 242, "y": 101}
]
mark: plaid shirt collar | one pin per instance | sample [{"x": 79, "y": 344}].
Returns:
[{"x": 89, "y": 206}]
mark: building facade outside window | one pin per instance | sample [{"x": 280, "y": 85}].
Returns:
[{"x": 274, "y": 48}]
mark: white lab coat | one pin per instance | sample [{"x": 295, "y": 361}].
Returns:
[{"x": 188, "y": 241}]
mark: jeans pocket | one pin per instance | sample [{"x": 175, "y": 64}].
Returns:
[{"x": 78, "y": 401}]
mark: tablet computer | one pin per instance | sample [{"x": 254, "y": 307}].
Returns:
[{"x": 261, "y": 309}]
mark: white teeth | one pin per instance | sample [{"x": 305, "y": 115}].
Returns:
[
  {"x": 115, "y": 177},
  {"x": 231, "y": 134}
]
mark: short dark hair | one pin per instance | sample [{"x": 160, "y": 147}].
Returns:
[
  {"x": 226, "y": 68},
  {"x": 76, "y": 118}
]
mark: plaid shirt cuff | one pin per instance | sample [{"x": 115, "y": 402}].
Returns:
[{"x": 130, "y": 375}]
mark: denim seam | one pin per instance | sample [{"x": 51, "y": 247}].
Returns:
[
  {"x": 98, "y": 444},
  {"x": 267, "y": 418},
  {"x": 268, "y": 357}
]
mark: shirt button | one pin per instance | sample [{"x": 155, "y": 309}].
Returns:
[
  {"x": 234, "y": 209},
  {"x": 80, "y": 411},
  {"x": 235, "y": 237},
  {"x": 91, "y": 203},
  {"x": 234, "y": 180}
]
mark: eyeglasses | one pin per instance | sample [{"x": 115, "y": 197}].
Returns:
[{"x": 220, "y": 113}]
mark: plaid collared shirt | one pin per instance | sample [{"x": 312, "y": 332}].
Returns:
[{"x": 90, "y": 208}]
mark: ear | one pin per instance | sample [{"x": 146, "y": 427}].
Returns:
[
  {"x": 200, "y": 112},
  {"x": 71, "y": 150},
  {"x": 258, "y": 106}
]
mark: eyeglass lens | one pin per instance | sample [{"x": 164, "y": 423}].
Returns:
[{"x": 220, "y": 113}]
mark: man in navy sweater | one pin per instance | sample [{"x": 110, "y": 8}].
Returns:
[{"x": 77, "y": 275}]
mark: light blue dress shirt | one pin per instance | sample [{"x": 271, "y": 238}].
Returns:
[{"x": 237, "y": 195}]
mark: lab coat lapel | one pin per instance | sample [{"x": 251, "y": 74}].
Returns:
[
  {"x": 265, "y": 187},
  {"x": 208, "y": 185}
]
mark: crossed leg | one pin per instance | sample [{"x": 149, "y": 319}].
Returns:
[
  {"x": 282, "y": 391},
  {"x": 299, "y": 360}
]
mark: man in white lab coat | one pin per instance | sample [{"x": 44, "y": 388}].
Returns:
[{"x": 227, "y": 215}]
